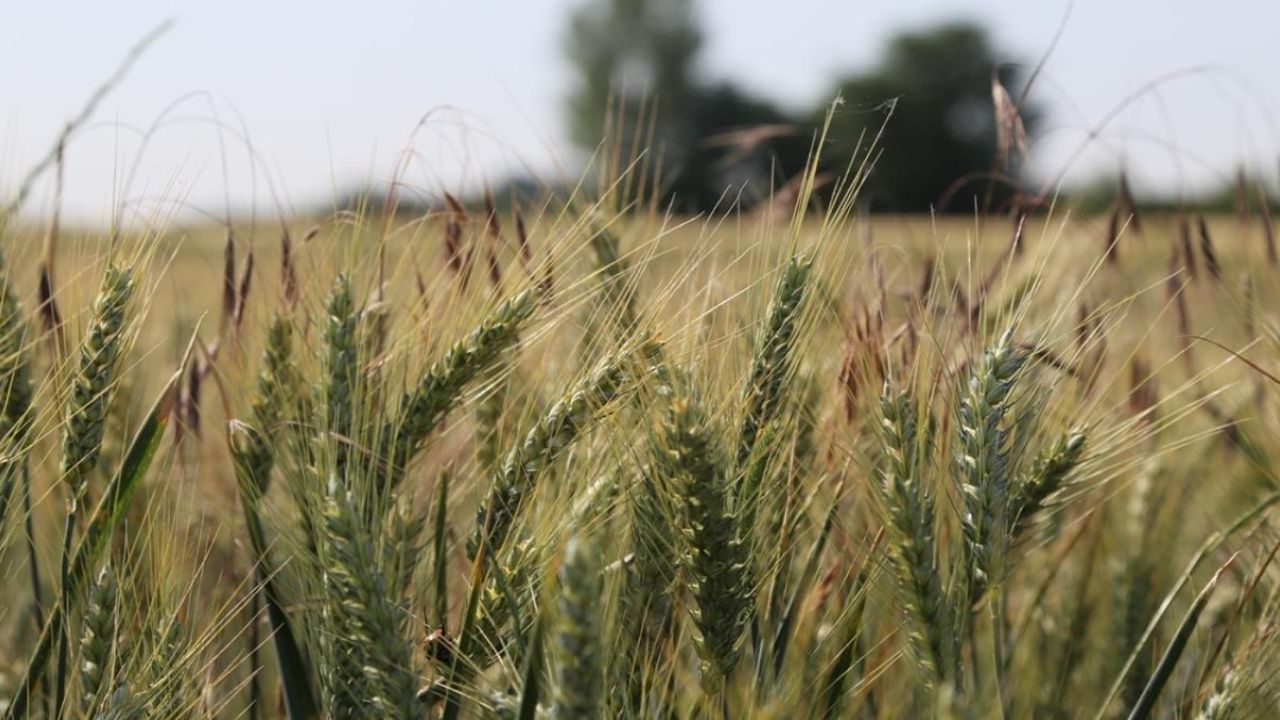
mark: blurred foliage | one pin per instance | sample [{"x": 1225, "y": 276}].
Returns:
[
  {"x": 635, "y": 65},
  {"x": 932, "y": 94},
  {"x": 636, "y": 84}
]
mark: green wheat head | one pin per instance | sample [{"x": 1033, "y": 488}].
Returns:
[
  {"x": 982, "y": 460},
  {"x": 96, "y": 374}
]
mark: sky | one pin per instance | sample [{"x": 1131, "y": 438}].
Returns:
[{"x": 282, "y": 105}]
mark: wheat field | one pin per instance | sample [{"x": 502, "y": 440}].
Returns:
[{"x": 581, "y": 459}]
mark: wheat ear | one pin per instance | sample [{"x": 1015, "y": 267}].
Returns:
[
  {"x": 368, "y": 670},
  {"x": 1048, "y": 475},
  {"x": 770, "y": 367},
  {"x": 96, "y": 373},
  {"x": 909, "y": 513},
  {"x": 541, "y": 446},
  {"x": 576, "y": 644},
  {"x": 15, "y": 420},
  {"x": 423, "y": 408},
  {"x": 717, "y": 549},
  {"x": 15, "y": 374},
  {"x": 97, "y": 642},
  {"x": 983, "y": 461},
  {"x": 342, "y": 368}
]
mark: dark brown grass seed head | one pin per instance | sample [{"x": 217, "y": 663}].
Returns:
[{"x": 1206, "y": 250}]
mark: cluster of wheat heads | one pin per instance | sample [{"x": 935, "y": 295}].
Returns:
[{"x": 601, "y": 463}]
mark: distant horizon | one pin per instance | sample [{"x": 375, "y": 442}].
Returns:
[{"x": 329, "y": 98}]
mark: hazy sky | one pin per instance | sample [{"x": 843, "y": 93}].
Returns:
[{"x": 330, "y": 92}]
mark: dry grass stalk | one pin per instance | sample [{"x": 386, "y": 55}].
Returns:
[
  {"x": 228, "y": 306},
  {"x": 1207, "y": 251},
  {"x": 1268, "y": 227},
  {"x": 1112, "y": 246},
  {"x": 493, "y": 239},
  {"x": 1143, "y": 392},
  {"x": 288, "y": 270},
  {"x": 1127, "y": 205},
  {"x": 1187, "y": 249}
]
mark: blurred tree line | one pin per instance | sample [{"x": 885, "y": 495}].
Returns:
[{"x": 718, "y": 145}]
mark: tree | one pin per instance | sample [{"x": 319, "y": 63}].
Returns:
[
  {"x": 942, "y": 129},
  {"x": 715, "y": 144},
  {"x": 629, "y": 53}
]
